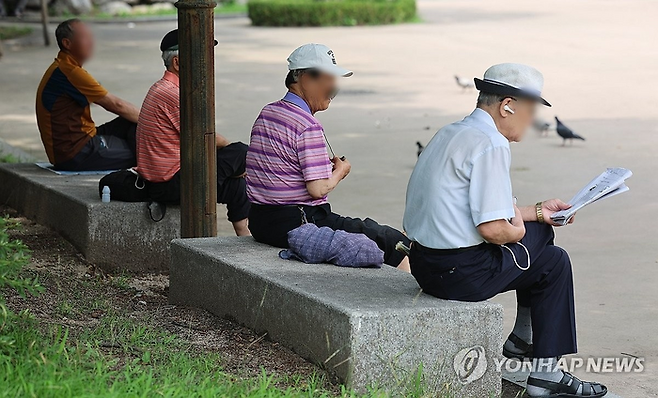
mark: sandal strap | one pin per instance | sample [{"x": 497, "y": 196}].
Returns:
[
  {"x": 520, "y": 343},
  {"x": 569, "y": 384}
]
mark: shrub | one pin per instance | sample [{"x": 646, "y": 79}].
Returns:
[{"x": 330, "y": 12}]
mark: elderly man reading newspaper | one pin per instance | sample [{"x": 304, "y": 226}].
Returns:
[{"x": 471, "y": 242}]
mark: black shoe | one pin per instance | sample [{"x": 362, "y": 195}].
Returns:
[
  {"x": 568, "y": 387},
  {"x": 525, "y": 349}
]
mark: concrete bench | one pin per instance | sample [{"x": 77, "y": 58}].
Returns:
[
  {"x": 366, "y": 326},
  {"x": 115, "y": 235}
]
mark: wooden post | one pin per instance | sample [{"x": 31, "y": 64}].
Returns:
[
  {"x": 196, "y": 43},
  {"x": 44, "y": 22}
]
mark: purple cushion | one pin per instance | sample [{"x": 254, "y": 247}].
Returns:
[{"x": 312, "y": 244}]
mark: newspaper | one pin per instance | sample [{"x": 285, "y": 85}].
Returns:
[{"x": 610, "y": 183}]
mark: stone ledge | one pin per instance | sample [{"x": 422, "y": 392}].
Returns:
[
  {"x": 115, "y": 235},
  {"x": 366, "y": 326}
]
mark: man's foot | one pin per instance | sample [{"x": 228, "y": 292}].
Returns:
[
  {"x": 563, "y": 385},
  {"x": 517, "y": 348}
]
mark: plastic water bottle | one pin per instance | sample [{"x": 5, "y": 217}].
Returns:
[{"x": 105, "y": 197}]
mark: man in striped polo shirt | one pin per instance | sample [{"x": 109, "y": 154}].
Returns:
[
  {"x": 158, "y": 146},
  {"x": 289, "y": 172}
]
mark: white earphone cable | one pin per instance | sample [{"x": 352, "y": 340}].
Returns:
[{"x": 514, "y": 256}]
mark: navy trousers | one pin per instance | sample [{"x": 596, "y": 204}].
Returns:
[{"x": 481, "y": 272}]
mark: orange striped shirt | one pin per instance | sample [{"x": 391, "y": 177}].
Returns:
[{"x": 158, "y": 131}]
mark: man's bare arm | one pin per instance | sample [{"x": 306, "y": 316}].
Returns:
[
  {"x": 221, "y": 141},
  {"x": 116, "y": 105},
  {"x": 320, "y": 188},
  {"x": 500, "y": 232}
]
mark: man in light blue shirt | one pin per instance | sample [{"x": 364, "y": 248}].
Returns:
[
  {"x": 444, "y": 208},
  {"x": 471, "y": 242}
]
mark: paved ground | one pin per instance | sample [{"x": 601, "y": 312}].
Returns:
[{"x": 601, "y": 72}]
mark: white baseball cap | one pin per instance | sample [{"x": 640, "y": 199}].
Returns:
[
  {"x": 513, "y": 79},
  {"x": 316, "y": 56}
]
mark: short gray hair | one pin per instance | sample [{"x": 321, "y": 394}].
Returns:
[
  {"x": 488, "y": 99},
  {"x": 65, "y": 31},
  {"x": 294, "y": 75},
  {"x": 168, "y": 57}
]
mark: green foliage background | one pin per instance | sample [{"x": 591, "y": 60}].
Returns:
[{"x": 330, "y": 12}]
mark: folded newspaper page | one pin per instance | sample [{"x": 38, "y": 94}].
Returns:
[{"x": 608, "y": 184}]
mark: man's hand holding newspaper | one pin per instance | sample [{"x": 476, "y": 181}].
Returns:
[{"x": 610, "y": 183}]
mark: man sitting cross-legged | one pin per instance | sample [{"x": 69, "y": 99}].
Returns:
[
  {"x": 158, "y": 146},
  {"x": 289, "y": 173},
  {"x": 72, "y": 140}
]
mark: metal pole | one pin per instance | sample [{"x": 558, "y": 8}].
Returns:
[
  {"x": 44, "y": 22},
  {"x": 197, "y": 113}
]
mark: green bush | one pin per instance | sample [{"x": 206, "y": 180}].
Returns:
[{"x": 330, "y": 12}]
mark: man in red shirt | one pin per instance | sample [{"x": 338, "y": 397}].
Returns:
[{"x": 158, "y": 146}]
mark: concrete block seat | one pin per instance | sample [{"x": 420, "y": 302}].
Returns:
[
  {"x": 366, "y": 326},
  {"x": 115, "y": 235}
]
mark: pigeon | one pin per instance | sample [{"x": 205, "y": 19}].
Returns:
[
  {"x": 566, "y": 133},
  {"x": 542, "y": 126},
  {"x": 464, "y": 83},
  {"x": 420, "y": 147}
]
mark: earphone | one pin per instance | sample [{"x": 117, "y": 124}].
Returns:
[{"x": 508, "y": 109}]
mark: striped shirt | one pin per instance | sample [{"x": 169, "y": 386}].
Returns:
[
  {"x": 287, "y": 150},
  {"x": 158, "y": 131}
]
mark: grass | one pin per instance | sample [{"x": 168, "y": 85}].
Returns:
[
  {"x": 12, "y": 32},
  {"x": 118, "y": 357},
  {"x": 50, "y": 365},
  {"x": 8, "y": 158}
]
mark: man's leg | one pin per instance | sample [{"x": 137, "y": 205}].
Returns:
[
  {"x": 550, "y": 287},
  {"x": 233, "y": 193},
  {"x": 20, "y": 8},
  {"x": 113, "y": 147},
  {"x": 386, "y": 237},
  {"x": 547, "y": 288},
  {"x": 121, "y": 128},
  {"x": 519, "y": 343}
]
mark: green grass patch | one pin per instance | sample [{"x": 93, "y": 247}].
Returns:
[
  {"x": 8, "y": 158},
  {"x": 12, "y": 32},
  {"x": 118, "y": 357},
  {"x": 330, "y": 12}
]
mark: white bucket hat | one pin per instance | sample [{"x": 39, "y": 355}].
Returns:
[
  {"x": 513, "y": 80},
  {"x": 316, "y": 56}
]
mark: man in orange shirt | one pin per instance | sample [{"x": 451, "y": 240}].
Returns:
[
  {"x": 158, "y": 146},
  {"x": 63, "y": 106}
]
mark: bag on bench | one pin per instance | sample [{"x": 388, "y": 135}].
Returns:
[
  {"x": 128, "y": 186},
  {"x": 125, "y": 186}
]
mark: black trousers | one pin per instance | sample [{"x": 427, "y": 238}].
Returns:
[
  {"x": 486, "y": 270},
  {"x": 271, "y": 224},
  {"x": 112, "y": 148},
  {"x": 232, "y": 192}
]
